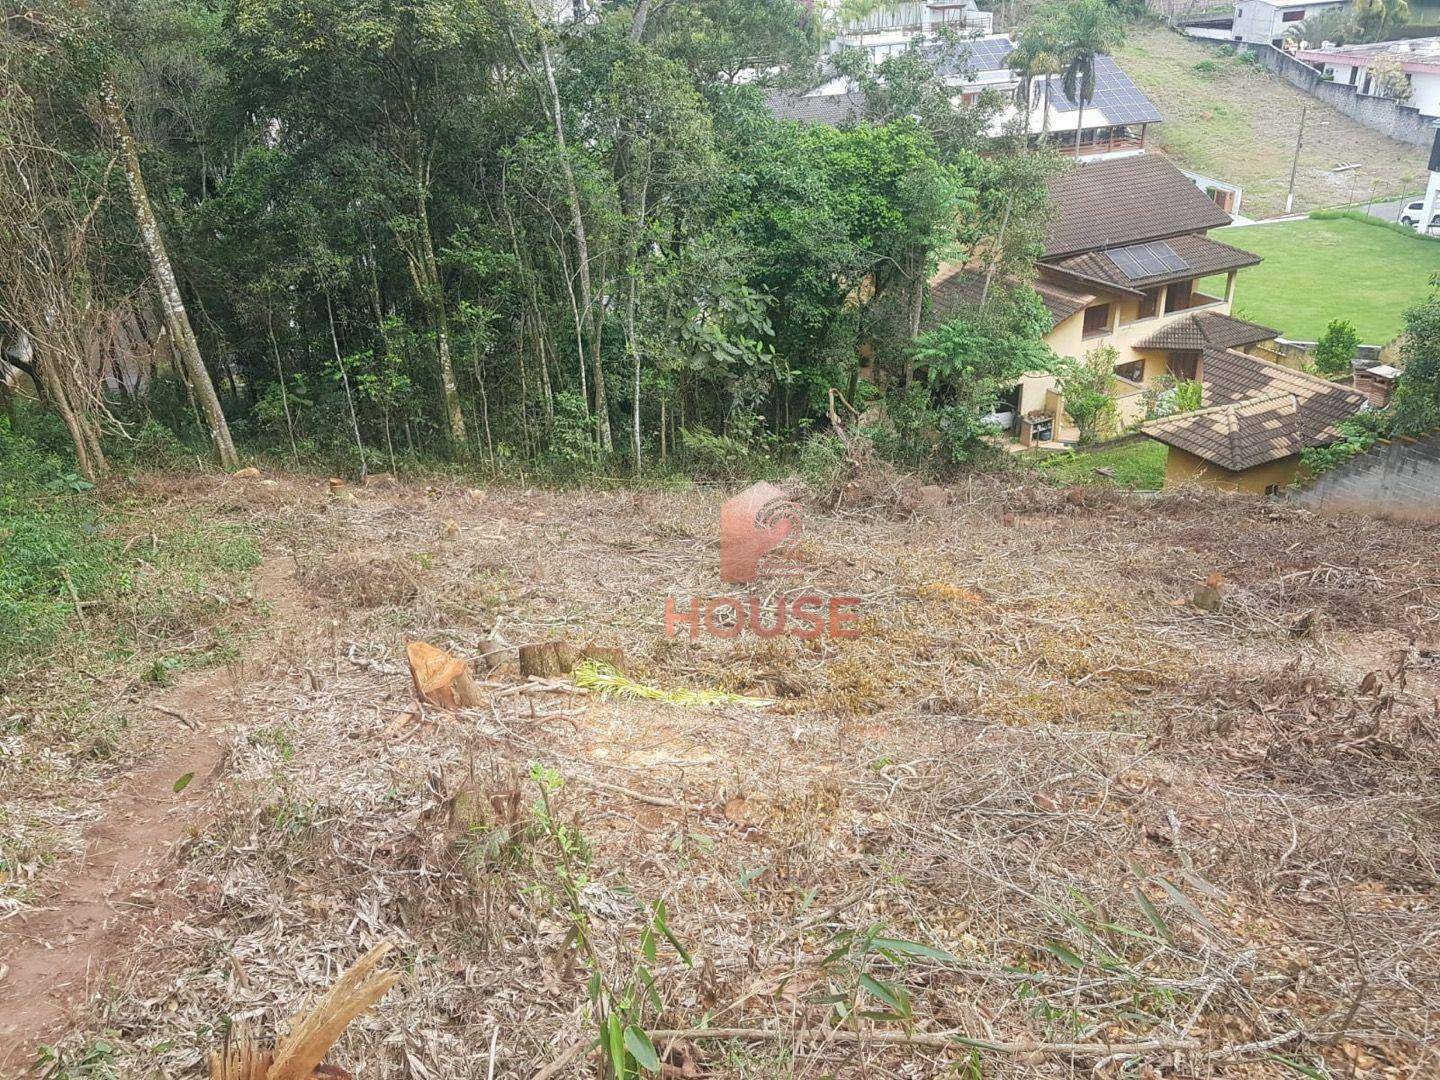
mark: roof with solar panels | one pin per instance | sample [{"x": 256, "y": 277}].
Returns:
[{"x": 983, "y": 63}]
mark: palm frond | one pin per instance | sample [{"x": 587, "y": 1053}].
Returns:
[{"x": 607, "y": 682}]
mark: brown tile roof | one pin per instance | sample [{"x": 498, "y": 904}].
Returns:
[
  {"x": 1235, "y": 437},
  {"x": 1200, "y": 254},
  {"x": 1228, "y": 377},
  {"x": 956, "y": 290},
  {"x": 1128, "y": 200},
  {"x": 1255, "y": 411},
  {"x": 1206, "y": 330}
]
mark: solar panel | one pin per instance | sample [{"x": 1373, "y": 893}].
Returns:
[
  {"x": 1147, "y": 260},
  {"x": 975, "y": 55},
  {"x": 1115, "y": 95}
]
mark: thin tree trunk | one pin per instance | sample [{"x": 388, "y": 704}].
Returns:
[
  {"x": 284, "y": 394},
  {"x": 582, "y": 251},
  {"x": 345, "y": 381},
  {"x": 177, "y": 320},
  {"x": 435, "y": 301}
]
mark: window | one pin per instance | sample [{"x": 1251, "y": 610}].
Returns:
[
  {"x": 1293, "y": 16},
  {"x": 1131, "y": 372},
  {"x": 1178, "y": 296},
  {"x": 1183, "y": 365},
  {"x": 1149, "y": 304},
  {"x": 1097, "y": 320}
]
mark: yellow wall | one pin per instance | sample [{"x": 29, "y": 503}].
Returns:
[{"x": 1183, "y": 467}]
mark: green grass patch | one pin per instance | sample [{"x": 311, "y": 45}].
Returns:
[
  {"x": 104, "y": 578},
  {"x": 1137, "y": 464},
  {"x": 1335, "y": 268}
]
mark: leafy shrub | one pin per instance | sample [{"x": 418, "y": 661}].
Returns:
[
  {"x": 906, "y": 430},
  {"x": 572, "y": 438},
  {"x": 716, "y": 457},
  {"x": 1087, "y": 387},
  {"x": 1336, "y": 348},
  {"x": 1357, "y": 435},
  {"x": 821, "y": 461},
  {"x": 1208, "y": 68}
]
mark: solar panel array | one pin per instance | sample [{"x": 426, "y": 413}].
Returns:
[
  {"x": 975, "y": 55},
  {"x": 1115, "y": 95},
  {"x": 1147, "y": 260}
]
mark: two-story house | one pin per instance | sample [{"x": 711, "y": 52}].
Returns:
[{"x": 1127, "y": 264}]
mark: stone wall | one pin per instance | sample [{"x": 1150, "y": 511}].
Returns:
[
  {"x": 1388, "y": 117},
  {"x": 1399, "y": 479}
]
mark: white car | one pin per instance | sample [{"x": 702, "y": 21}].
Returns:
[{"x": 1410, "y": 215}]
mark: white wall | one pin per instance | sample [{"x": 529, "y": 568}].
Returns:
[
  {"x": 1425, "y": 93},
  {"x": 1262, "y": 22}
]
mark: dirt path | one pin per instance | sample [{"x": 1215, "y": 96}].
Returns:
[{"x": 50, "y": 958}]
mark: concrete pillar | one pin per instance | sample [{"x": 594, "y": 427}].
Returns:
[
  {"x": 1432, "y": 190},
  {"x": 1230, "y": 280}
]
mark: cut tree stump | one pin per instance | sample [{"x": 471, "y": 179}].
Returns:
[
  {"x": 547, "y": 659},
  {"x": 441, "y": 679}
]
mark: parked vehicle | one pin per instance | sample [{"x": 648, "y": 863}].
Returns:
[{"x": 1410, "y": 215}]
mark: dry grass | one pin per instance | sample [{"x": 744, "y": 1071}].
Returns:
[
  {"x": 1238, "y": 123},
  {"x": 1207, "y": 835}
]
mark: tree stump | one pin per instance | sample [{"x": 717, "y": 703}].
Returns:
[
  {"x": 547, "y": 659},
  {"x": 441, "y": 679}
]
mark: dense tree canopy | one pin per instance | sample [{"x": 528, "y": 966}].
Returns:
[{"x": 452, "y": 227}]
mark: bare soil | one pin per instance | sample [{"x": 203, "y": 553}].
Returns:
[{"x": 1156, "y": 839}]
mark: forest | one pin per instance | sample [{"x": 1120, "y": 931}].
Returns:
[{"x": 365, "y": 233}]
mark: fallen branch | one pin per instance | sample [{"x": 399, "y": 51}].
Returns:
[{"x": 944, "y": 1041}]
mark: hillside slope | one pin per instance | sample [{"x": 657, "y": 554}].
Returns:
[{"x": 1237, "y": 122}]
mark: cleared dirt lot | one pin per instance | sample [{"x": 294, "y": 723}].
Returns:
[{"x": 1121, "y": 832}]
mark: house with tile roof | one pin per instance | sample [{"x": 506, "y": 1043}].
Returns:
[
  {"x": 1126, "y": 263},
  {"x": 1255, "y": 420}
]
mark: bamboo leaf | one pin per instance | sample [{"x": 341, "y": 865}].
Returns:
[
  {"x": 1152, "y": 914},
  {"x": 642, "y": 1049},
  {"x": 1065, "y": 954},
  {"x": 914, "y": 948}
]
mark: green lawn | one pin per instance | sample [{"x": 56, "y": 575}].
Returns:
[
  {"x": 1138, "y": 464},
  {"x": 1315, "y": 271}
]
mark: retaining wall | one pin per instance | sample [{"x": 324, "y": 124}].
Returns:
[{"x": 1398, "y": 479}]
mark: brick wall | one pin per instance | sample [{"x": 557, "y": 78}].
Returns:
[
  {"x": 1399, "y": 479},
  {"x": 1402, "y": 122}
]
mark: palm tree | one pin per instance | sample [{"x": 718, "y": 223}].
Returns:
[
  {"x": 1085, "y": 30},
  {"x": 1032, "y": 58},
  {"x": 1377, "y": 16}
]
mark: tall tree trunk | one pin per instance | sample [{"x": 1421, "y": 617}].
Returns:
[
  {"x": 177, "y": 321},
  {"x": 284, "y": 393},
  {"x": 435, "y": 302},
  {"x": 588, "y": 305}
]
